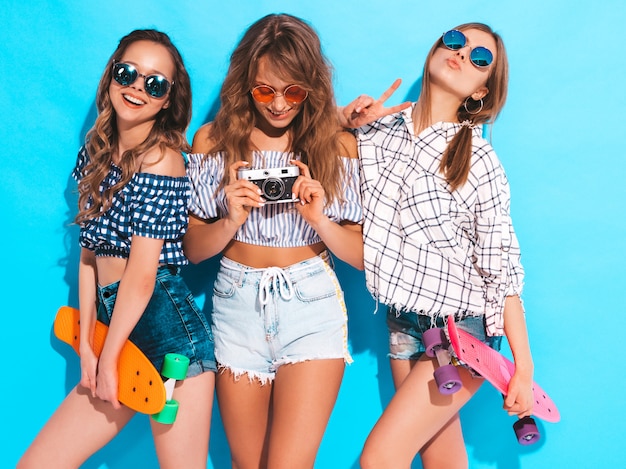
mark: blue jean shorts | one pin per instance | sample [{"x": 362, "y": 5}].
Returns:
[
  {"x": 171, "y": 323},
  {"x": 265, "y": 318},
  {"x": 406, "y": 328}
]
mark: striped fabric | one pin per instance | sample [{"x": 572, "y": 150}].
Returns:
[{"x": 276, "y": 225}]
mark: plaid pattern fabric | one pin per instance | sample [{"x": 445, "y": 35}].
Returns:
[
  {"x": 427, "y": 249},
  {"x": 276, "y": 225},
  {"x": 150, "y": 205}
]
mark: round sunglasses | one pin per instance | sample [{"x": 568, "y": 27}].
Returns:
[
  {"x": 125, "y": 74},
  {"x": 455, "y": 40},
  {"x": 265, "y": 94}
]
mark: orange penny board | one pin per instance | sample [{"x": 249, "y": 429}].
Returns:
[{"x": 140, "y": 385}]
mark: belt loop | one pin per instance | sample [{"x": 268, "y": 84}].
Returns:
[{"x": 242, "y": 276}]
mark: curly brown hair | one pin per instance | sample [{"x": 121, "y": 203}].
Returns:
[
  {"x": 292, "y": 46},
  {"x": 168, "y": 130}
]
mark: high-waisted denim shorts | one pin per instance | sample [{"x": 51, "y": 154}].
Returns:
[
  {"x": 265, "y": 318},
  {"x": 406, "y": 328},
  {"x": 171, "y": 323}
]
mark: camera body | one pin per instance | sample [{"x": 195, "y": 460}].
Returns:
[{"x": 275, "y": 183}]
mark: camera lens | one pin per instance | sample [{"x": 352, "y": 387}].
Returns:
[{"x": 273, "y": 188}]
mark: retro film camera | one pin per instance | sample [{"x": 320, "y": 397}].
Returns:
[{"x": 275, "y": 183}]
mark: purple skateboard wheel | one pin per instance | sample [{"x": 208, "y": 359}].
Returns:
[
  {"x": 526, "y": 431},
  {"x": 448, "y": 379}
]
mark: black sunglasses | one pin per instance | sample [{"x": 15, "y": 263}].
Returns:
[
  {"x": 455, "y": 40},
  {"x": 125, "y": 74}
]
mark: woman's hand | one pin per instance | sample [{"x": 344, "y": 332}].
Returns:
[
  {"x": 519, "y": 399},
  {"x": 241, "y": 195},
  {"x": 88, "y": 368},
  {"x": 311, "y": 195},
  {"x": 107, "y": 381},
  {"x": 365, "y": 109},
  {"x": 344, "y": 240}
]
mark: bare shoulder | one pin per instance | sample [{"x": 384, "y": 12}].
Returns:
[
  {"x": 169, "y": 163},
  {"x": 202, "y": 142},
  {"x": 347, "y": 144}
]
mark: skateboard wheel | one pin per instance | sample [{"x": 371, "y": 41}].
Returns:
[
  {"x": 433, "y": 338},
  {"x": 167, "y": 416},
  {"x": 448, "y": 379},
  {"x": 526, "y": 431},
  {"x": 175, "y": 366}
]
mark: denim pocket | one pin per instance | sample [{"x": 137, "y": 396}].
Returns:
[
  {"x": 317, "y": 287},
  {"x": 224, "y": 286}
]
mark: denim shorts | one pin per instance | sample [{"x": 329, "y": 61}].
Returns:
[
  {"x": 265, "y": 318},
  {"x": 406, "y": 328},
  {"x": 171, "y": 323}
]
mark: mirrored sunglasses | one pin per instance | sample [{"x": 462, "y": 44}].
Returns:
[
  {"x": 265, "y": 94},
  {"x": 479, "y": 56},
  {"x": 125, "y": 74}
]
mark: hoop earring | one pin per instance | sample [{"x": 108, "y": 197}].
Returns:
[{"x": 480, "y": 108}]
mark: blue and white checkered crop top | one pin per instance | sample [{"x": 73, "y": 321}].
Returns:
[
  {"x": 149, "y": 205},
  {"x": 275, "y": 225}
]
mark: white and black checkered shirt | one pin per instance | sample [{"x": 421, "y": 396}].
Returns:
[{"x": 427, "y": 249}]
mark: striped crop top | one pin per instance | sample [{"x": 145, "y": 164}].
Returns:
[{"x": 274, "y": 225}]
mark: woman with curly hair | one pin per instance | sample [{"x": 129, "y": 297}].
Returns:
[
  {"x": 133, "y": 194},
  {"x": 275, "y": 188}
]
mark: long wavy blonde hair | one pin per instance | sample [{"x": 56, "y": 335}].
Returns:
[
  {"x": 293, "y": 47},
  {"x": 168, "y": 130},
  {"x": 456, "y": 161}
]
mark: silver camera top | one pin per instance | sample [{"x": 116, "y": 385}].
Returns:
[
  {"x": 275, "y": 183},
  {"x": 252, "y": 174}
]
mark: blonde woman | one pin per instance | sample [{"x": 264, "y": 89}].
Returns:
[{"x": 439, "y": 242}]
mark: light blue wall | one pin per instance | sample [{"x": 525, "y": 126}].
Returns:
[{"x": 560, "y": 138}]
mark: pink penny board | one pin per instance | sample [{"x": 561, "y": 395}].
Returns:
[{"x": 496, "y": 369}]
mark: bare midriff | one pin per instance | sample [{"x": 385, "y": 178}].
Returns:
[
  {"x": 261, "y": 257},
  {"x": 110, "y": 269}
]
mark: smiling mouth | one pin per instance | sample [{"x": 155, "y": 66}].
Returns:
[
  {"x": 278, "y": 113},
  {"x": 133, "y": 100}
]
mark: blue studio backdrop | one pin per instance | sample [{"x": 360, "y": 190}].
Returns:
[{"x": 560, "y": 138}]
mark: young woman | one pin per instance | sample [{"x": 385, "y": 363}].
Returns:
[
  {"x": 439, "y": 243},
  {"x": 279, "y": 318},
  {"x": 133, "y": 194}
]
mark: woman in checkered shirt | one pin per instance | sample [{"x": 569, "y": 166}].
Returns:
[
  {"x": 439, "y": 242},
  {"x": 133, "y": 193}
]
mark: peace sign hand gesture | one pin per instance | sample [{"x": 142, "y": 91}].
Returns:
[{"x": 365, "y": 109}]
